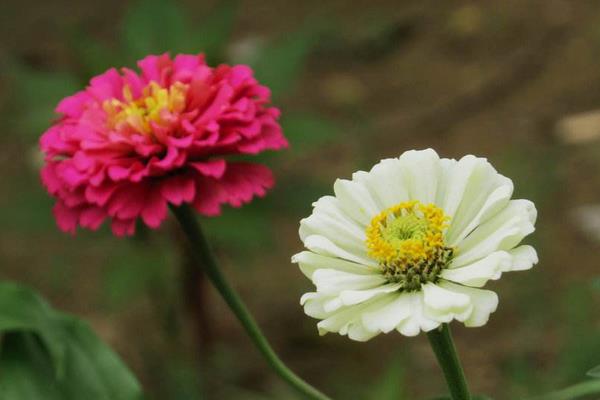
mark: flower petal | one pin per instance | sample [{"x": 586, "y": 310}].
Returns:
[
  {"x": 416, "y": 321},
  {"x": 329, "y": 221},
  {"x": 478, "y": 273},
  {"x": 502, "y": 232},
  {"x": 385, "y": 182},
  {"x": 445, "y": 305},
  {"x": 309, "y": 262},
  {"x": 421, "y": 172},
  {"x": 484, "y": 303},
  {"x": 331, "y": 281},
  {"x": 475, "y": 191},
  {"x": 524, "y": 257},
  {"x": 387, "y": 317},
  {"x": 355, "y": 200},
  {"x": 352, "y": 297},
  {"x": 322, "y": 245},
  {"x": 348, "y": 321}
]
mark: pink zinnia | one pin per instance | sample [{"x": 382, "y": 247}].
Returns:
[{"x": 130, "y": 144}]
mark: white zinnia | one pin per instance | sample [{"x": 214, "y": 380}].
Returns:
[{"x": 407, "y": 246}]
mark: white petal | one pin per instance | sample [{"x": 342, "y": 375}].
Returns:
[
  {"x": 478, "y": 273},
  {"x": 416, "y": 321},
  {"x": 342, "y": 232},
  {"x": 309, "y": 262},
  {"x": 502, "y": 232},
  {"x": 359, "y": 333},
  {"x": 348, "y": 321},
  {"x": 421, "y": 172},
  {"x": 314, "y": 304},
  {"x": 524, "y": 257},
  {"x": 475, "y": 191},
  {"x": 445, "y": 305},
  {"x": 352, "y": 297},
  {"x": 388, "y": 316},
  {"x": 331, "y": 281},
  {"x": 385, "y": 182},
  {"x": 322, "y": 245},
  {"x": 484, "y": 303},
  {"x": 355, "y": 200}
]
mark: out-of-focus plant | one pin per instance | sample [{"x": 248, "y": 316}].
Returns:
[{"x": 50, "y": 355}]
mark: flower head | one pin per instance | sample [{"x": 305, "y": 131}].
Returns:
[
  {"x": 408, "y": 245},
  {"x": 131, "y": 143}
]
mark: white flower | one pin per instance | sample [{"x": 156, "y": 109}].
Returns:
[{"x": 407, "y": 246}]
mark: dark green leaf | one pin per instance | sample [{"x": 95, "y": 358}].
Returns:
[
  {"x": 27, "y": 372},
  {"x": 50, "y": 355},
  {"x": 22, "y": 310}
]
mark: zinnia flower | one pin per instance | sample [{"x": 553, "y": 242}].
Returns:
[
  {"x": 407, "y": 246},
  {"x": 131, "y": 143}
]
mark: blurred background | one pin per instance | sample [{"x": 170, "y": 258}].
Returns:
[{"x": 515, "y": 81}]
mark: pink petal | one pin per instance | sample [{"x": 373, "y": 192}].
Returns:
[
  {"x": 212, "y": 168},
  {"x": 179, "y": 189}
]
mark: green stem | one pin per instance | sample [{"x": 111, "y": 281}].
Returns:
[
  {"x": 205, "y": 258},
  {"x": 445, "y": 352}
]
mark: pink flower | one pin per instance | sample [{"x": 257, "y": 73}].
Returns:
[{"x": 131, "y": 143}]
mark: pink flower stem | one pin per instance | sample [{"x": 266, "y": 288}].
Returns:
[{"x": 203, "y": 254}]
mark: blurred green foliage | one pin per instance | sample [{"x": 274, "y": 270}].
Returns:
[
  {"x": 50, "y": 355},
  {"x": 142, "y": 268}
]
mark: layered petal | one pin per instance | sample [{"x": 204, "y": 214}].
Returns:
[
  {"x": 170, "y": 127},
  {"x": 503, "y": 231},
  {"x": 407, "y": 246}
]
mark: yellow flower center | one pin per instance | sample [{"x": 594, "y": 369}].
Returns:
[
  {"x": 408, "y": 242},
  {"x": 154, "y": 105}
]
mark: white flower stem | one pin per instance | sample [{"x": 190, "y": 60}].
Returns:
[
  {"x": 206, "y": 259},
  {"x": 445, "y": 352}
]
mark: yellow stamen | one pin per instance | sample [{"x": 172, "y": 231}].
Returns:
[
  {"x": 408, "y": 242},
  {"x": 151, "y": 106}
]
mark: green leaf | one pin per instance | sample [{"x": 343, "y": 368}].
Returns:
[
  {"x": 27, "y": 372},
  {"x": 214, "y": 31},
  {"x": 582, "y": 389},
  {"x": 50, "y": 355},
  {"x": 22, "y": 310},
  {"x": 154, "y": 27},
  {"x": 280, "y": 64},
  {"x": 594, "y": 372}
]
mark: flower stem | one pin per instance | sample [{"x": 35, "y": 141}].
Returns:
[
  {"x": 205, "y": 258},
  {"x": 445, "y": 352}
]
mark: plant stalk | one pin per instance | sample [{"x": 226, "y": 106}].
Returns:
[
  {"x": 445, "y": 352},
  {"x": 205, "y": 257}
]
